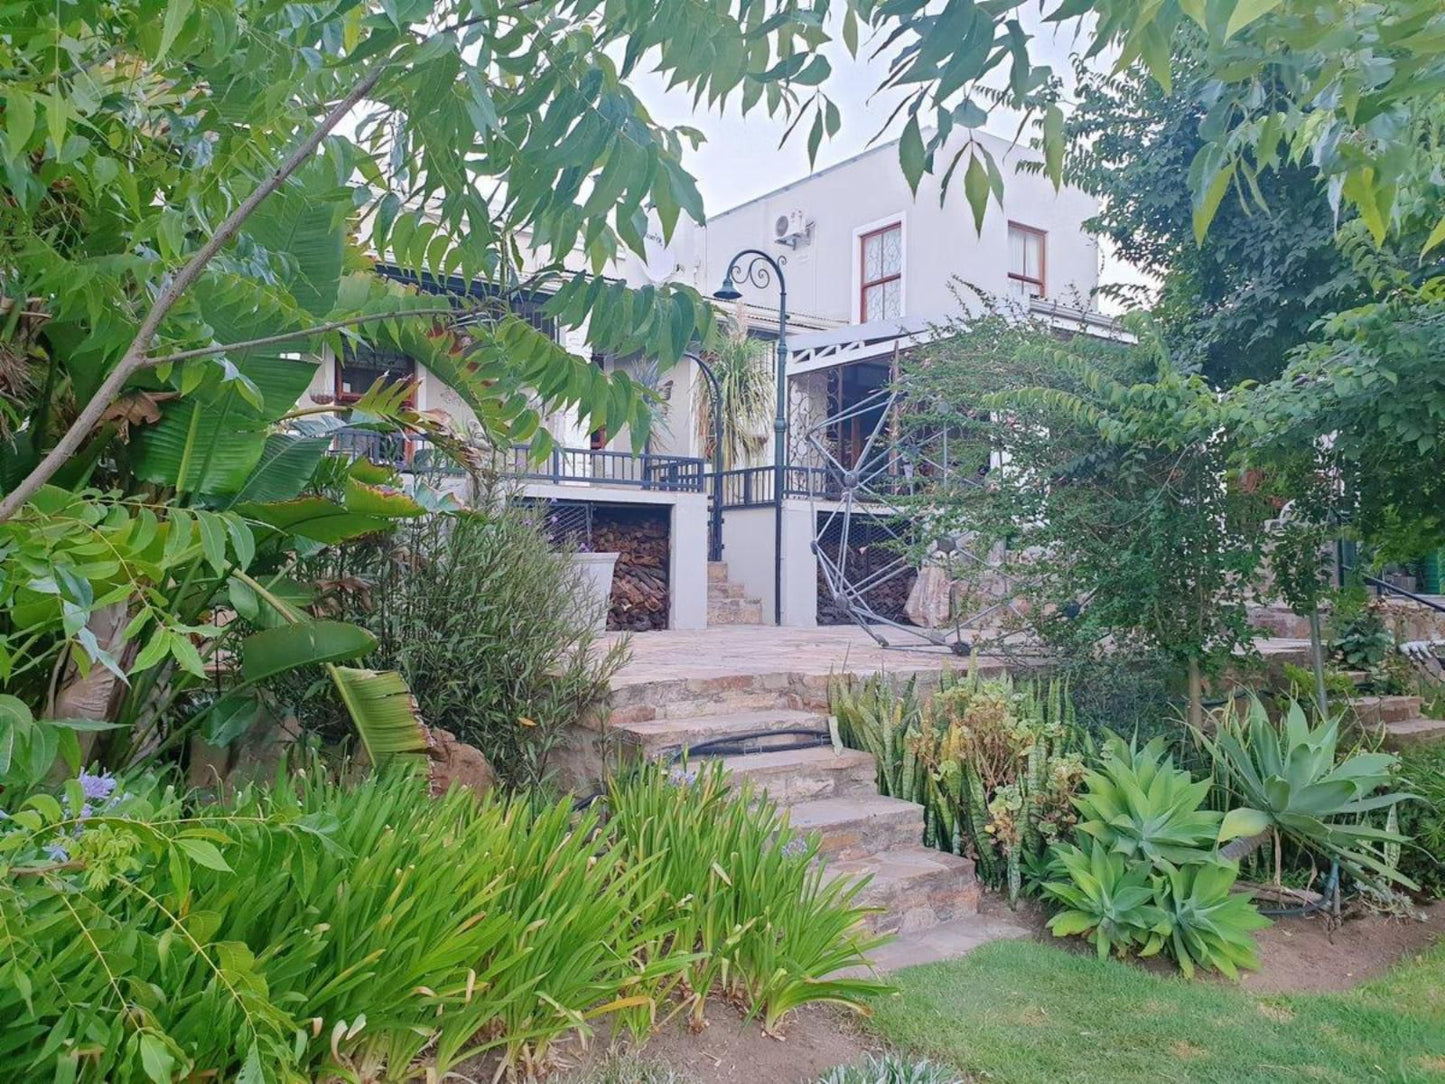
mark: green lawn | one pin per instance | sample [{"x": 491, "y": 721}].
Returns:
[{"x": 1016, "y": 1011}]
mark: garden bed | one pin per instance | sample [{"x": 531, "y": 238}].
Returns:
[{"x": 1296, "y": 955}]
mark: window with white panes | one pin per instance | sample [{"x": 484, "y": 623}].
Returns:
[
  {"x": 881, "y": 289},
  {"x": 1025, "y": 260}
]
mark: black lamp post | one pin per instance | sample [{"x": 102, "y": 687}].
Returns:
[
  {"x": 714, "y": 541},
  {"x": 759, "y": 271}
]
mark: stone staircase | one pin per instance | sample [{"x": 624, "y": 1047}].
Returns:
[
  {"x": 1397, "y": 719},
  {"x": 763, "y": 719},
  {"x": 727, "y": 604}
]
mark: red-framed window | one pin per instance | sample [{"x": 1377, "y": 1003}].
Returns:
[
  {"x": 1027, "y": 260},
  {"x": 880, "y": 259}
]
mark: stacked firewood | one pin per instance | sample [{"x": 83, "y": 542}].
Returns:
[
  {"x": 888, "y": 599},
  {"x": 639, "y": 582}
]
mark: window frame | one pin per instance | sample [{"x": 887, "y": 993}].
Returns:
[
  {"x": 1042, "y": 281},
  {"x": 343, "y": 396},
  {"x": 864, "y": 282}
]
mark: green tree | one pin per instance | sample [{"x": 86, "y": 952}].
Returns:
[
  {"x": 1114, "y": 504},
  {"x": 747, "y": 394},
  {"x": 193, "y": 191},
  {"x": 1348, "y": 87},
  {"x": 1233, "y": 305}
]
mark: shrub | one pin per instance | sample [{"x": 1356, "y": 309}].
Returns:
[
  {"x": 1421, "y": 771},
  {"x": 488, "y": 625},
  {"x": 1139, "y": 805},
  {"x": 317, "y": 929},
  {"x": 1150, "y": 879},
  {"x": 1108, "y": 900}
]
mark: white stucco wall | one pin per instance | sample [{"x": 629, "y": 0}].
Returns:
[
  {"x": 748, "y": 539},
  {"x": 939, "y": 242}
]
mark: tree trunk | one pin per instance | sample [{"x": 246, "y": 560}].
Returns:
[
  {"x": 1317, "y": 663},
  {"x": 1196, "y": 696}
]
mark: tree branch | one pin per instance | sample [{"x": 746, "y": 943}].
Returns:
[
  {"x": 135, "y": 358},
  {"x": 290, "y": 336}
]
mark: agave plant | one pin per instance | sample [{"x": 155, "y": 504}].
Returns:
[
  {"x": 1140, "y": 805},
  {"x": 1292, "y": 782},
  {"x": 1209, "y": 925},
  {"x": 1109, "y": 900}
]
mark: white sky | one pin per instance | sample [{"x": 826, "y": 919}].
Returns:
[{"x": 742, "y": 160}]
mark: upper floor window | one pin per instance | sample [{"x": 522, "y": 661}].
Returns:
[
  {"x": 1025, "y": 260},
  {"x": 881, "y": 292},
  {"x": 361, "y": 365}
]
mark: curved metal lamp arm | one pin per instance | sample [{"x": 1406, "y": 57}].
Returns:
[
  {"x": 715, "y": 394},
  {"x": 758, "y": 271}
]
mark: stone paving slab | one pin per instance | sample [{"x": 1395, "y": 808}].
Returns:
[
  {"x": 674, "y": 654},
  {"x": 947, "y": 940}
]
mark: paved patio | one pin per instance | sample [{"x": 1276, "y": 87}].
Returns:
[{"x": 730, "y": 650}]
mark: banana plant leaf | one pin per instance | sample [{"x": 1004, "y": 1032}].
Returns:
[
  {"x": 384, "y": 711},
  {"x": 305, "y": 643}
]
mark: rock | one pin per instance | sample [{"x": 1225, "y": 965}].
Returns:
[
  {"x": 930, "y": 603},
  {"x": 454, "y": 761}
]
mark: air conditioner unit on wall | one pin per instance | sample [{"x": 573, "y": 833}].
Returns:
[{"x": 790, "y": 229}]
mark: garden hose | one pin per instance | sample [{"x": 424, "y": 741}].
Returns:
[{"x": 1332, "y": 885}]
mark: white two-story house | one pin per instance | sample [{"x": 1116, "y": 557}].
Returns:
[{"x": 871, "y": 269}]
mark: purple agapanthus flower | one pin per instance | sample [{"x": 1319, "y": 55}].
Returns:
[
  {"x": 795, "y": 846},
  {"x": 97, "y": 788},
  {"x": 680, "y": 777}
]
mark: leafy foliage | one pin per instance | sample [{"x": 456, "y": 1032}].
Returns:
[
  {"x": 770, "y": 927},
  {"x": 321, "y": 929},
  {"x": 1138, "y": 804},
  {"x": 993, "y": 766},
  {"x": 1146, "y": 875},
  {"x": 1422, "y": 773},
  {"x": 1210, "y": 926},
  {"x": 1117, "y": 514},
  {"x": 891, "y": 1069},
  {"x": 1233, "y": 305},
  {"x": 1372, "y": 379},
  {"x": 747, "y": 398},
  {"x": 485, "y": 621},
  {"x": 1107, "y": 899}
]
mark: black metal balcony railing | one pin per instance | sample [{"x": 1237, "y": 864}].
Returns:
[
  {"x": 745, "y": 487},
  {"x": 643, "y": 470}
]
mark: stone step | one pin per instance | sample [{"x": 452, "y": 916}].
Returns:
[
  {"x": 717, "y": 591},
  {"x": 678, "y": 698},
  {"x": 1374, "y": 710},
  {"x": 918, "y": 887},
  {"x": 797, "y": 775},
  {"x": 954, "y": 938},
  {"x": 1419, "y": 731},
  {"x": 745, "y": 604},
  {"x": 734, "y": 612},
  {"x": 658, "y": 737},
  {"x": 858, "y": 826},
  {"x": 716, "y": 571}
]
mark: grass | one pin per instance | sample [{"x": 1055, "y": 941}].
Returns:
[{"x": 1019, "y": 1012}]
